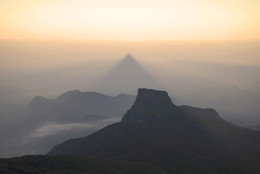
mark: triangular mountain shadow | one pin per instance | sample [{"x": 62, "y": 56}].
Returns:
[{"x": 127, "y": 76}]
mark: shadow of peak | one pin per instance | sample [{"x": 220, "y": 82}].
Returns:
[
  {"x": 129, "y": 59},
  {"x": 126, "y": 76},
  {"x": 129, "y": 56}
]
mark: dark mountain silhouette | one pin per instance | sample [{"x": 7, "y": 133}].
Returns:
[
  {"x": 177, "y": 139},
  {"x": 75, "y": 106},
  {"x": 127, "y": 76}
]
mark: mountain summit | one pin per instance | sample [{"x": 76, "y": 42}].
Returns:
[
  {"x": 126, "y": 76},
  {"x": 177, "y": 139},
  {"x": 150, "y": 106}
]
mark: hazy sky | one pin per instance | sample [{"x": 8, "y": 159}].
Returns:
[
  {"x": 44, "y": 42},
  {"x": 30, "y": 68},
  {"x": 130, "y": 19}
]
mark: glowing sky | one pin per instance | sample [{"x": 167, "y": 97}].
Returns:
[{"x": 130, "y": 19}]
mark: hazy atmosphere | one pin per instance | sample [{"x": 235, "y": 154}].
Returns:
[
  {"x": 70, "y": 68},
  {"x": 218, "y": 74},
  {"x": 30, "y": 68}
]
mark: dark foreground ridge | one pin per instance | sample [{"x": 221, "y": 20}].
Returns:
[
  {"x": 40, "y": 164},
  {"x": 175, "y": 139}
]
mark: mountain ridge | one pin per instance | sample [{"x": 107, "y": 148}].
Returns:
[
  {"x": 75, "y": 104},
  {"x": 171, "y": 137}
]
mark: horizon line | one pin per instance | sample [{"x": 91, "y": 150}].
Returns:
[{"x": 7, "y": 38}]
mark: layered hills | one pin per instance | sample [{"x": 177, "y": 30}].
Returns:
[
  {"x": 45, "y": 122},
  {"x": 79, "y": 106}
]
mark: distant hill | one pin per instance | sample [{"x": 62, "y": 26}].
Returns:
[
  {"x": 75, "y": 106},
  {"x": 177, "y": 139}
]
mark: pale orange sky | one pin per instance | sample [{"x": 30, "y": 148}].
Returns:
[{"x": 130, "y": 20}]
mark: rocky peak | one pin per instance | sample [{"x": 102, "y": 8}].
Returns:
[
  {"x": 149, "y": 97},
  {"x": 150, "y": 105}
]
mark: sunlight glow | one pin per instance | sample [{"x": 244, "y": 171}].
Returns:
[{"x": 130, "y": 20}]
